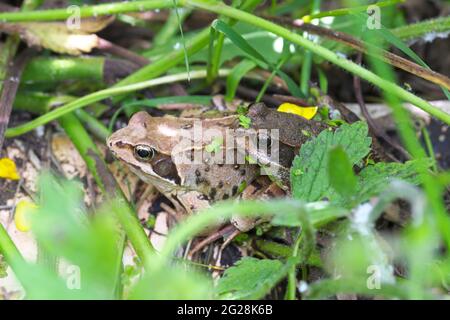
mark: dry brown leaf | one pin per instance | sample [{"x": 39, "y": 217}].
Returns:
[
  {"x": 68, "y": 157},
  {"x": 58, "y": 37}
]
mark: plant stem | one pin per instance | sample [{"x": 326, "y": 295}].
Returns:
[
  {"x": 347, "y": 11},
  {"x": 135, "y": 233},
  {"x": 305, "y": 75},
  {"x": 93, "y": 125},
  {"x": 9, "y": 250},
  {"x": 419, "y": 29},
  {"x": 292, "y": 275},
  {"x": 170, "y": 27},
  {"x": 56, "y": 69},
  {"x": 83, "y": 143},
  {"x": 85, "y": 11}
]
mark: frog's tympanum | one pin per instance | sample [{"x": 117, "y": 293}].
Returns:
[{"x": 195, "y": 162}]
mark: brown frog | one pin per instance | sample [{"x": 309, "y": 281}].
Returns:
[{"x": 196, "y": 162}]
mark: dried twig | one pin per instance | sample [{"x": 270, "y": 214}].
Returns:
[
  {"x": 10, "y": 87},
  {"x": 377, "y": 131},
  {"x": 119, "y": 51}
]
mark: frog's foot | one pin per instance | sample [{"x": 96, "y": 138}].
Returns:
[{"x": 229, "y": 232}]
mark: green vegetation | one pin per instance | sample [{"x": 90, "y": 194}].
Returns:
[{"x": 336, "y": 186}]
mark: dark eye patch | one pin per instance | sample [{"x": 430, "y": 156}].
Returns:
[{"x": 164, "y": 167}]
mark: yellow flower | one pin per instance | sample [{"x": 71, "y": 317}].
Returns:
[
  {"x": 305, "y": 112},
  {"x": 8, "y": 169},
  {"x": 22, "y": 215},
  {"x": 306, "y": 19}
]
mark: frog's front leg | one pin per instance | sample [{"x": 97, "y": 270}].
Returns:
[
  {"x": 262, "y": 188},
  {"x": 193, "y": 202}
]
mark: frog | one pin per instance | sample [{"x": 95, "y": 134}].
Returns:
[
  {"x": 150, "y": 147},
  {"x": 185, "y": 158}
]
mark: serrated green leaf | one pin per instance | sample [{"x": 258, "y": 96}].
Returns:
[
  {"x": 250, "y": 278},
  {"x": 340, "y": 172},
  {"x": 309, "y": 174},
  {"x": 373, "y": 179}
]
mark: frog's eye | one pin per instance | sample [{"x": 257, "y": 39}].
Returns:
[{"x": 144, "y": 153}]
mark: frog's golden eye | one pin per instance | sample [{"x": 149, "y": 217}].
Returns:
[{"x": 144, "y": 153}]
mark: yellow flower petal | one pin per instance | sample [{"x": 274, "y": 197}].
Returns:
[
  {"x": 8, "y": 169},
  {"x": 307, "y": 19},
  {"x": 305, "y": 112},
  {"x": 22, "y": 214}
]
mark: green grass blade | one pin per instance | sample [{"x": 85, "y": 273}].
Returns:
[{"x": 237, "y": 73}]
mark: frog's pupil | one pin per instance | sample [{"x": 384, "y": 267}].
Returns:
[{"x": 144, "y": 152}]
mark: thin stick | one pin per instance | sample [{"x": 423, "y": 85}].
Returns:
[
  {"x": 372, "y": 124},
  {"x": 10, "y": 87}
]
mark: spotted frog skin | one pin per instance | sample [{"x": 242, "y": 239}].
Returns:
[
  {"x": 156, "y": 149},
  {"x": 152, "y": 148}
]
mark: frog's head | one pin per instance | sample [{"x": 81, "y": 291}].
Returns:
[{"x": 145, "y": 146}]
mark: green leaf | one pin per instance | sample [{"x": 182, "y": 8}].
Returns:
[
  {"x": 237, "y": 73},
  {"x": 174, "y": 283},
  {"x": 250, "y": 278},
  {"x": 242, "y": 44},
  {"x": 373, "y": 179},
  {"x": 215, "y": 145},
  {"x": 340, "y": 172},
  {"x": 237, "y": 39},
  {"x": 63, "y": 230},
  {"x": 309, "y": 174},
  {"x": 244, "y": 121}
]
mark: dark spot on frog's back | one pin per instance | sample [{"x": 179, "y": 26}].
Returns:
[
  {"x": 225, "y": 196},
  {"x": 220, "y": 185},
  {"x": 186, "y": 126},
  {"x": 212, "y": 193},
  {"x": 202, "y": 197},
  {"x": 234, "y": 190},
  {"x": 200, "y": 180}
]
